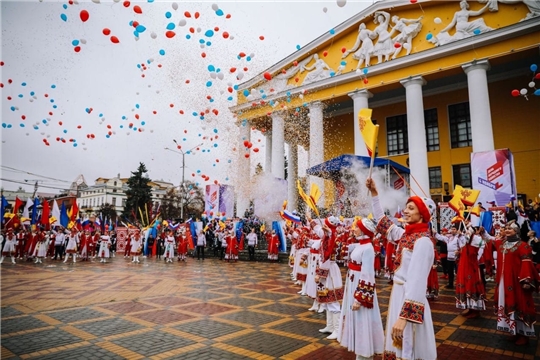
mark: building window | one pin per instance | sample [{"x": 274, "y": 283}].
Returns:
[
  {"x": 435, "y": 177},
  {"x": 396, "y": 135},
  {"x": 115, "y": 183},
  {"x": 432, "y": 129},
  {"x": 462, "y": 175},
  {"x": 460, "y": 125},
  {"x": 113, "y": 201},
  {"x": 124, "y": 202}
]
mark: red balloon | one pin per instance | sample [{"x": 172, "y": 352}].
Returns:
[
  {"x": 106, "y": 31},
  {"x": 126, "y": 3},
  {"x": 135, "y": 24},
  {"x": 225, "y": 35},
  {"x": 203, "y": 55},
  {"x": 242, "y": 54},
  {"x": 170, "y": 34},
  {"x": 256, "y": 149},
  {"x": 77, "y": 49},
  {"x": 247, "y": 156},
  {"x": 365, "y": 81},
  {"x": 137, "y": 9},
  {"x": 115, "y": 40},
  {"x": 215, "y": 111},
  {"x": 268, "y": 76},
  {"x": 196, "y": 15},
  {"x": 216, "y": 29},
  {"x": 413, "y": 1},
  {"x": 397, "y": 45},
  {"x": 537, "y": 76},
  {"x": 233, "y": 69},
  {"x": 228, "y": 16},
  {"x": 515, "y": 93},
  {"x": 261, "y": 37},
  {"x": 325, "y": 53},
  {"x": 295, "y": 63},
  {"x": 84, "y": 15},
  {"x": 343, "y": 49},
  {"x": 187, "y": 14},
  {"x": 246, "y": 143}
]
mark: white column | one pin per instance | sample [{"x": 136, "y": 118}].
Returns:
[
  {"x": 316, "y": 144},
  {"x": 360, "y": 101},
  {"x": 481, "y": 128},
  {"x": 278, "y": 145},
  {"x": 292, "y": 177},
  {"x": 268, "y": 157},
  {"x": 416, "y": 128},
  {"x": 244, "y": 168}
]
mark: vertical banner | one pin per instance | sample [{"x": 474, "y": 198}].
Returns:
[
  {"x": 226, "y": 200},
  {"x": 493, "y": 174},
  {"x": 211, "y": 199}
]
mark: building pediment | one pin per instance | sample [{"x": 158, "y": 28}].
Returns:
[{"x": 382, "y": 35}]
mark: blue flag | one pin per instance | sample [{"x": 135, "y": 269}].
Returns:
[
  {"x": 64, "y": 218},
  {"x": 35, "y": 212},
  {"x": 3, "y": 208}
]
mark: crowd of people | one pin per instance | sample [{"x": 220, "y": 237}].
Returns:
[{"x": 408, "y": 252}]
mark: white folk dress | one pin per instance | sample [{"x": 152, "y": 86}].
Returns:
[
  {"x": 169, "y": 248},
  {"x": 9, "y": 246},
  {"x": 136, "y": 244},
  {"x": 414, "y": 259},
  {"x": 361, "y": 331},
  {"x": 104, "y": 246},
  {"x": 73, "y": 242},
  {"x": 314, "y": 258}
]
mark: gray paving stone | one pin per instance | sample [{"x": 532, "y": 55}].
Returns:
[
  {"x": 208, "y": 328},
  {"x": 38, "y": 341},
  {"x": 21, "y": 323},
  {"x": 8, "y": 311},
  {"x": 73, "y": 315},
  {"x": 109, "y": 327},
  {"x": 152, "y": 343}
]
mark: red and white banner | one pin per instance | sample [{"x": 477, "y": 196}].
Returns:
[{"x": 493, "y": 174}]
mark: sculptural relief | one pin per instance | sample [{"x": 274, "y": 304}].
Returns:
[
  {"x": 318, "y": 71},
  {"x": 363, "y": 47},
  {"x": 532, "y": 5},
  {"x": 408, "y": 29},
  {"x": 463, "y": 27},
  {"x": 383, "y": 46}
]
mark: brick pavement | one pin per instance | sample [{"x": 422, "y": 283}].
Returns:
[{"x": 196, "y": 310}]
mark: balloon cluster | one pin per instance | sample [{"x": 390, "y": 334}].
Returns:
[{"x": 532, "y": 84}]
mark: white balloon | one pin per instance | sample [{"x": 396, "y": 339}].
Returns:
[
  {"x": 213, "y": 75},
  {"x": 221, "y": 92},
  {"x": 240, "y": 76},
  {"x": 136, "y": 38},
  {"x": 175, "y": 6},
  {"x": 532, "y": 84},
  {"x": 116, "y": 1},
  {"x": 84, "y": 148},
  {"x": 151, "y": 131},
  {"x": 407, "y": 46},
  {"x": 48, "y": 136},
  {"x": 27, "y": 134},
  {"x": 215, "y": 7},
  {"x": 229, "y": 83},
  {"x": 324, "y": 9},
  {"x": 198, "y": 29},
  {"x": 220, "y": 76},
  {"x": 95, "y": 1},
  {"x": 231, "y": 37},
  {"x": 31, "y": 100},
  {"x": 437, "y": 20},
  {"x": 83, "y": 41},
  {"x": 202, "y": 46},
  {"x": 157, "y": 91},
  {"x": 182, "y": 22},
  {"x": 341, "y": 3},
  {"x": 523, "y": 91},
  {"x": 151, "y": 60},
  {"x": 42, "y": 133},
  {"x": 153, "y": 35}
]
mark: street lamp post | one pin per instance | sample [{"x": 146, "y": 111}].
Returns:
[{"x": 183, "y": 174}]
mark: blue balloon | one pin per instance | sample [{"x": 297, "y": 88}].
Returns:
[
  {"x": 170, "y": 26},
  {"x": 44, "y": 121},
  {"x": 134, "y": 128},
  {"x": 143, "y": 123},
  {"x": 168, "y": 14},
  {"x": 136, "y": 34},
  {"x": 63, "y": 17},
  {"x": 288, "y": 93},
  {"x": 53, "y": 86},
  {"x": 534, "y": 67},
  {"x": 100, "y": 115},
  {"x": 332, "y": 31},
  {"x": 429, "y": 36},
  {"x": 215, "y": 131},
  {"x": 75, "y": 144},
  {"x": 65, "y": 131},
  {"x": 343, "y": 62},
  {"x": 75, "y": 42},
  {"x": 139, "y": 66},
  {"x": 298, "y": 47},
  {"x": 194, "y": 113},
  {"x": 150, "y": 1},
  {"x": 12, "y": 108},
  {"x": 9, "y": 126},
  {"x": 208, "y": 83},
  {"x": 537, "y": 92},
  {"x": 137, "y": 106},
  {"x": 64, "y": 6},
  {"x": 229, "y": 161},
  {"x": 219, "y": 12},
  {"x": 124, "y": 118},
  {"x": 246, "y": 92},
  {"x": 211, "y": 68},
  {"x": 32, "y": 93},
  {"x": 20, "y": 95},
  {"x": 107, "y": 136},
  {"x": 209, "y": 33},
  {"x": 230, "y": 98},
  {"x": 22, "y": 125},
  {"x": 54, "y": 106},
  {"x": 208, "y": 43},
  {"x": 215, "y": 145},
  {"x": 140, "y": 28},
  {"x": 188, "y": 36},
  {"x": 201, "y": 41},
  {"x": 121, "y": 126},
  {"x": 365, "y": 71},
  {"x": 23, "y": 84},
  {"x": 235, "y": 87},
  {"x": 477, "y": 31},
  {"x": 131, "y": 23},
  {"x": 161, "y": 52},
  {"x": 52, "y": 100}
]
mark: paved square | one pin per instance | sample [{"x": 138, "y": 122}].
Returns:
[{"x": 199, "y": 310}]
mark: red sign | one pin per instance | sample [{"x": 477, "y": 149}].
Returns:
[
  {"x": 399, "y": 183},
  {"x": 494, "y": 171}
]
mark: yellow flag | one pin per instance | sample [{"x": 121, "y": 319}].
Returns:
[
  {"x": 284, "y": 206},
  {"x": 456, "y": 204},
  {"x": 52, "y": 220},
  {"x": 262, "y": 228},
  {"x": 205, "y": 228},
  {"x": 475, "y": 210},
  {"x": 468, "y": 196},
  {"x": 315, "y": 193},
  {"x": 309, "y": 202},
  {"x": 222, "y": 224},
  {"x": 369, "y": 131}
]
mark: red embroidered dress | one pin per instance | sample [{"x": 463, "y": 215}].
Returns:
[{"x": 470, "y": 292}]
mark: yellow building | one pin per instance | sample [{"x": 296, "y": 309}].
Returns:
[{"x": 439, "y": 76}]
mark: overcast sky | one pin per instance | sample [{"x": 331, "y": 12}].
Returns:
[{"x": 58, "y": 93}]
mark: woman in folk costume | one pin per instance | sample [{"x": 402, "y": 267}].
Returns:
[
  {"x": 470, "y": 291},
  {"x": 316, "y": 234},
  {"x": 9, "y": 246},
  {"x": 72, "y": 244},
  {"x": 31, "y": 244},
  {"x": 182, "y": 240},
  {"x": 516, "y": 281},
  {"x": 104, "y": 246},
  {"x": 85, "y": 238},
  {"x": 42, "y": 246},
  {"x": 328, "y": 276},
  {"x": 273, "y": 245},
  {"x": 136, "y": 246},
  {"x": 168, "y": 253},
  {"x": 232, "y": 246},
  {"x": 360, "y": 324},
  {"x": 409, "y": 326},
  {"x": 301, "y": 259}
]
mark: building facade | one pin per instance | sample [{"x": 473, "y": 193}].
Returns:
[{"x": 444, "y": 79}]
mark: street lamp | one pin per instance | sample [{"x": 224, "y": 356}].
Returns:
[{"x": 183, "y": 173}]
